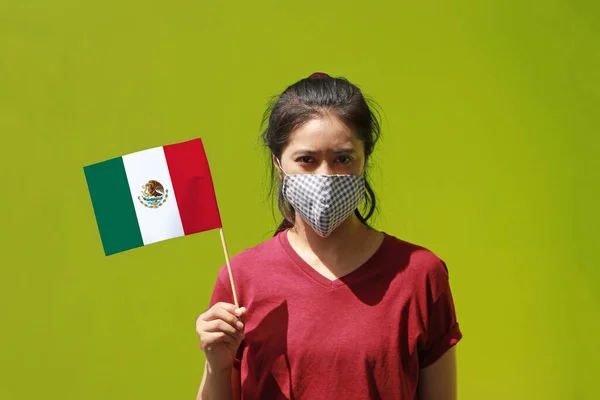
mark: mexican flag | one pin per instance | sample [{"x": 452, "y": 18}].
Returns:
[{"x": 153, "y": 195}]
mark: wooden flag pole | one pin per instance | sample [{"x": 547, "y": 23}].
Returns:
[{"x": 235, "y": 299}]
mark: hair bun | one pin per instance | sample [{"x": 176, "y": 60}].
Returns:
[{"x": 319, "y": 75}]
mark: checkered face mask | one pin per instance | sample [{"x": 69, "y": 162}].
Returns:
[{"x": 324, "y": 201}]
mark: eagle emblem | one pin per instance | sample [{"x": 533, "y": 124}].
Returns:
[{"x": 153, "y": 194}]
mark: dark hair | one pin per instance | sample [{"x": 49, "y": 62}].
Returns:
[{"x": 311, "y": 98}]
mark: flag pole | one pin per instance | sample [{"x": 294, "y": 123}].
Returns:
[{"x": 235, "y": 299}]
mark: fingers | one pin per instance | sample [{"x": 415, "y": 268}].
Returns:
[
  {"x": 218, "y": 325},
  {"x": 231, "y": 308},
  {"x": 226, "y": 312},
  {"x": 218, "y": 331},
  {"x": 210, "y": 339},
  {"x": 241, "y": 313},
  {"x": 221, "y": 324},
  {"x": 222, "y": 318}
]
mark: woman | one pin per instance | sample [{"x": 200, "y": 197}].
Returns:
[{"x": 332, "y": 308}]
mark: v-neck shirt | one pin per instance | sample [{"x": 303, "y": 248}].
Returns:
[
  {"x": 365, "y": 335},
  {"x": 354, "y": 276}
]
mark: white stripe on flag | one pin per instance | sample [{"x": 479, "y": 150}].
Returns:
[{"x": 160, "y": 223}]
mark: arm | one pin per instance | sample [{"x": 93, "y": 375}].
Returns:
[
  {"x": 438, "y": 381},
  {"x": 220, "y": 335},
  {"x": 220, "y": 386}
]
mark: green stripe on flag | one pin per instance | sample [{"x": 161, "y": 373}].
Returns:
[{"x": 113, "y": 206}]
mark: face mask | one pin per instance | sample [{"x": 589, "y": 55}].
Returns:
[{"x": 323, "y": 201}]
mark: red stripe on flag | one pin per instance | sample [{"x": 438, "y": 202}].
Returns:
[{"x": 193, "y": 186}]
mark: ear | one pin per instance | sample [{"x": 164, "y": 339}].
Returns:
[{"x": 276, "y": 164}]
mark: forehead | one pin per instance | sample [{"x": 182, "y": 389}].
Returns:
[{"x": 323, "y": 133}]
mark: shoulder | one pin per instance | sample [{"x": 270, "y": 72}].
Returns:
[
  {"x": 419, "y": 262},
  {"x": 255, "y": 258}
]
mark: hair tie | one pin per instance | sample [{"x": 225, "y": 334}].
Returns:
[{"x": 319, "y": 75}]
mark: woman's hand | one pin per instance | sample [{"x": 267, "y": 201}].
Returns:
[{"x": 221, "y": 330}]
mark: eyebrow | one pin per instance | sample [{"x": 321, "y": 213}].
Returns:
[{"x": 337, "y": 151}]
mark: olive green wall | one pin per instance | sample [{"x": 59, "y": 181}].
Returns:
[{"x": 489, "y": 157}]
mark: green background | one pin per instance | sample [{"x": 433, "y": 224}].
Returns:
[{"x": 489, "y": 157}]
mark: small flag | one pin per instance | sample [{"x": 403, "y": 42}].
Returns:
[{"x": 153, "y": 195}]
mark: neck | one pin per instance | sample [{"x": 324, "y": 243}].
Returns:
[{"x": 340, "y": 241}]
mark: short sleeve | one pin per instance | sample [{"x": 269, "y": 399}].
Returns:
[
  {"x": 442, "y": 330},
  {"x": 222, "y": 293}
]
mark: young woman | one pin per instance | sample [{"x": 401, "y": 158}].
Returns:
[{"x": 331, "y": 308}]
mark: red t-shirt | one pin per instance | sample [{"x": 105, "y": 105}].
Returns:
[{"x": 364, "y": 336}]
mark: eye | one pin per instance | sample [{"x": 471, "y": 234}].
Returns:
[
  {"x": 344, "y": 159},
  {"x": 304, "y": 159}
]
